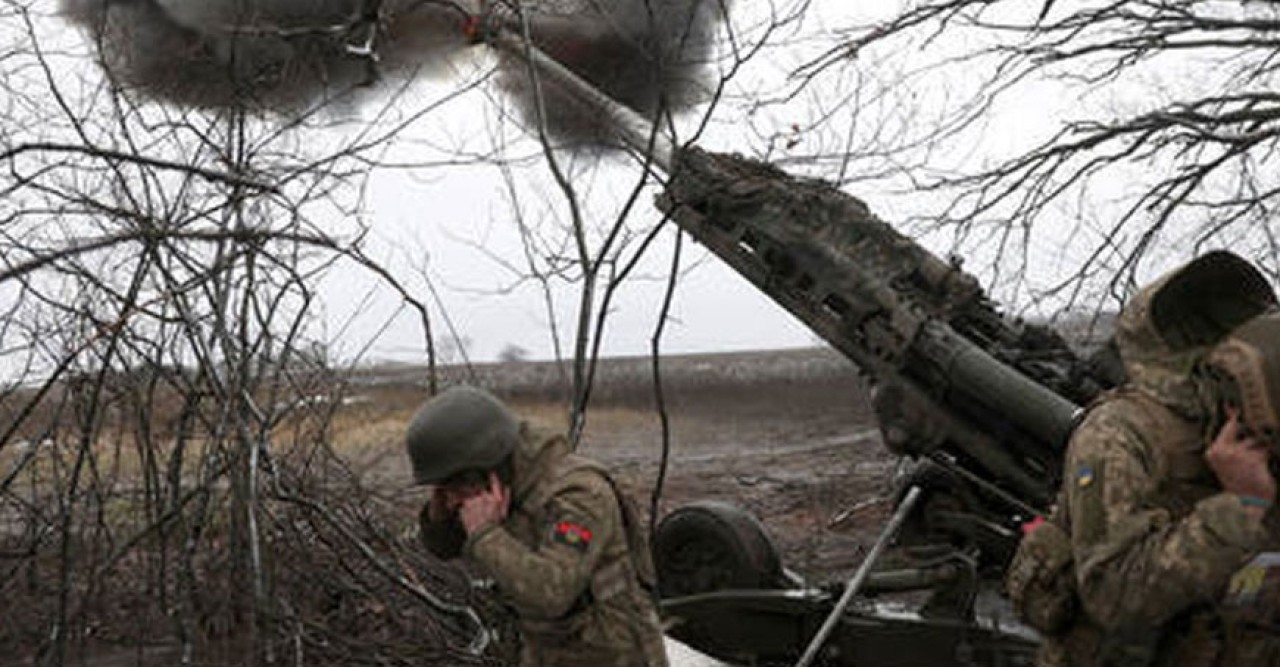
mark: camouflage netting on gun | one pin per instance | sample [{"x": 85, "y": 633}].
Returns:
[
  {"x": 809, "y": 216},
  {"x": 823, "y": 254}
]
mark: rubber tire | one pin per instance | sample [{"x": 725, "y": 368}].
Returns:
[{"x": 709, "y": 546}]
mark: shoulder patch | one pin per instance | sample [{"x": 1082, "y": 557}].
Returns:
[
  {"x": 1090, "y": 512},
  {"x": 1085, "y": 475},
  {"x": 572, "y": 534}
]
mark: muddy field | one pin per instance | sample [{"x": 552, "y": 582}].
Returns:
[{"x": 786, "y": 435}]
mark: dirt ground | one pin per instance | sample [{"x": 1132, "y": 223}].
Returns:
[{"x": 788, "y": 436}]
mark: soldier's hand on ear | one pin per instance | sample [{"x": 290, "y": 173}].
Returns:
[
  {"x": 486, "y": 507},
  {"x": 1240, "y": 461}
]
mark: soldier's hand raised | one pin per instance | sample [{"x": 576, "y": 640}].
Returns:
[
  {"x": 485, "y": 507},
  {"x": 1240, "y": 461}
]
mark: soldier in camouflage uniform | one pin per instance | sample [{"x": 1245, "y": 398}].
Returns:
[
  {"x": 550, "y": 527},
  {"x": 1166, "y": 508}
]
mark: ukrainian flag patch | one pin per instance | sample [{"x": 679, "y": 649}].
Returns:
[{"x": 1085, "y": 475}]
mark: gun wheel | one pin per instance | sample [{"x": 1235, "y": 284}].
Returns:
[{"x": 709, "y": 546}]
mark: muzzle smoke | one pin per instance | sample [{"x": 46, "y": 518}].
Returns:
[
  {"x": 284, "y": 55},
  {"x": 272, "y": 55},
  {"x": 652, "y": 55}
]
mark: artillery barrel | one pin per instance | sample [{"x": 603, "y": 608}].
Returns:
[
  {"x": 632, "y": 129},
  {"x": 897, "y": 311},
  {"x": 975, "y": 373}
]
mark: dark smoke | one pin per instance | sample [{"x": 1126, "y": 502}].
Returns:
[
  {"x": 281, "y": 55},
  {"x": 272, "y": 55},
  {"x": 651, "y": 55}
]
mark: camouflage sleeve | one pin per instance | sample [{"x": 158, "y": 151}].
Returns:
[
  {"x": 545, "y": 581},
  {"x": 1136, "y": 566},
  {"x": 444, "y": 539}
]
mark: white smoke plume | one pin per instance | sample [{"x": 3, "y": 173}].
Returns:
[{"x": 281, "y": 55}]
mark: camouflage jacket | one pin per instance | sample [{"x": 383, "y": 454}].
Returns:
[
  {"x": 570, "y": 560},
  {"x": 1169, "y": 569}
]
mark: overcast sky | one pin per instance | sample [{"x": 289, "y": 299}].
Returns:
[
  {"x": 450, "y": 227},
  {"x": 456, "y": 222}
]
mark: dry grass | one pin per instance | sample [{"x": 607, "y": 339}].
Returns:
[{"x": 345, "y": 452}]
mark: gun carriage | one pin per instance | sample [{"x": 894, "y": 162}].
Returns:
[{"x": 978, "y": 403}]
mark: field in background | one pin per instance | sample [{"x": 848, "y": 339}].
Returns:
[{"x": 786, "y": 434}]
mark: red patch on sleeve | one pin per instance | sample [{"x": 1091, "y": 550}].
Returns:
[{"x": 573, "y": 534}]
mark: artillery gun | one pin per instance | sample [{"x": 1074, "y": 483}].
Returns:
[{"x": 980, "y": 404}]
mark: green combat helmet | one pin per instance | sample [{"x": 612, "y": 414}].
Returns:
[{"x": 462, "y": 428}]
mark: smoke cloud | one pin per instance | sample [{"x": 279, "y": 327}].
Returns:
[
  {"x": 282, "y": 55},
  {"x": 651, "y": 55},
  {"x": 272, "y": 55}
]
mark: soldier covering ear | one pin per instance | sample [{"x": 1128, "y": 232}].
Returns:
[
  {"x": 1243, "y": 371},
  {"x": 550, "y": 527},
  {"x": 1166, "y": 494}
]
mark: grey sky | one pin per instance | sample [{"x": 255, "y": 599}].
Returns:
[
  {"x": 433, "y": 216},
  {"x": 439, "y": 218}
]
